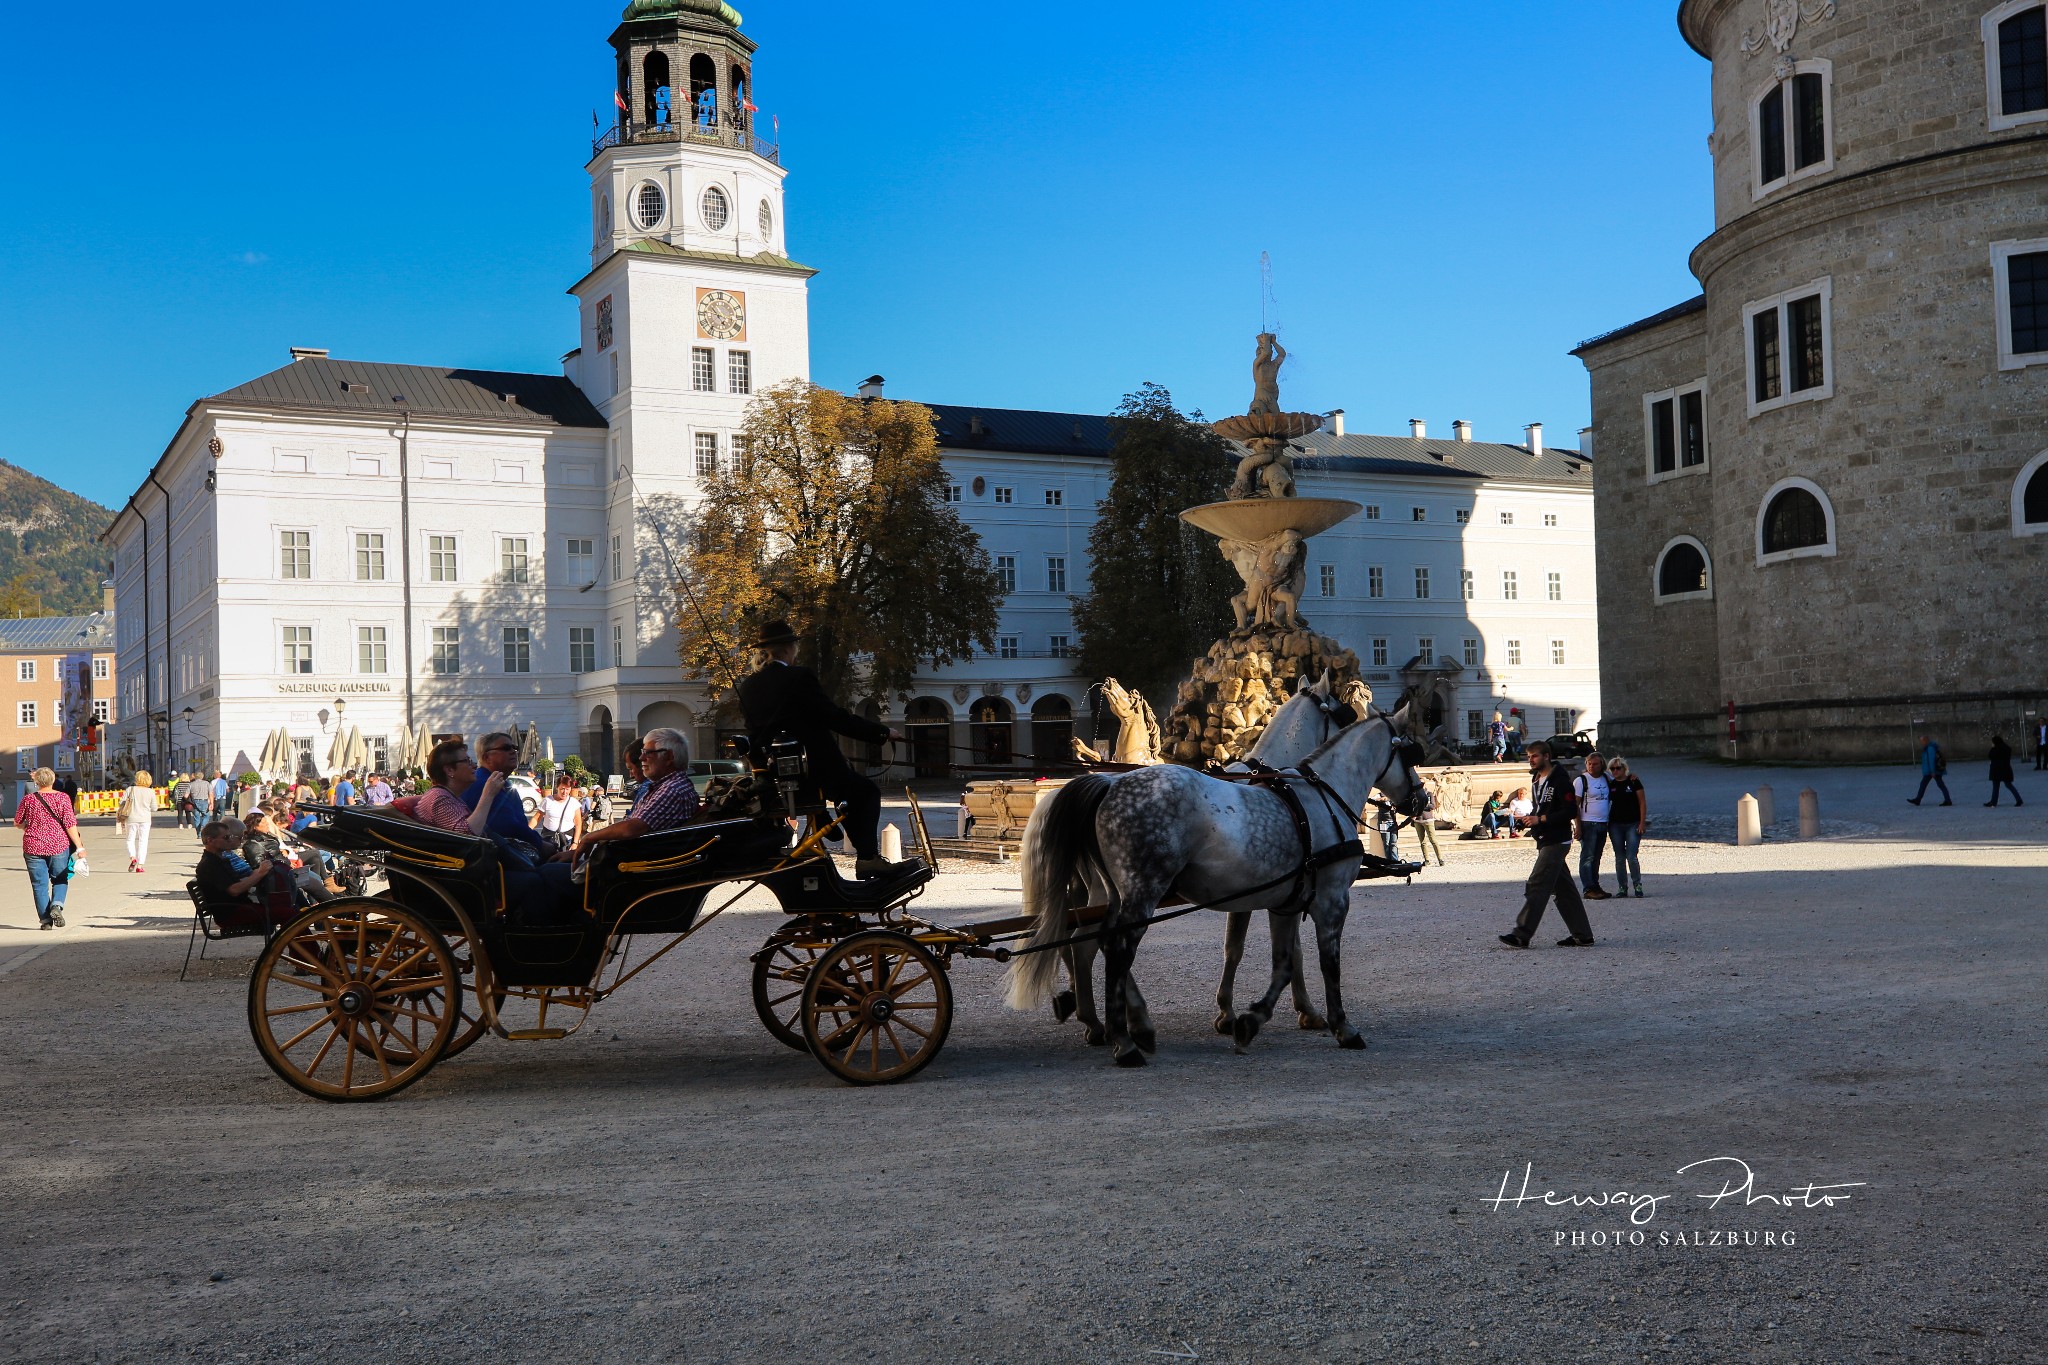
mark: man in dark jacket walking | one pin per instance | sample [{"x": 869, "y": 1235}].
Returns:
[
  {"x": 1550, "y": 823},
  {"x": 785, "y": 698}
]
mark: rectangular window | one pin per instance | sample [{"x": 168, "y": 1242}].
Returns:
[
  {"x": 618, "y": 559},
  {"x": 739, "y": 372},
  {"x": 371, "y": 650},
  {"x": 102, "y": 710},
  {"x": 1328, "y": 576},
  {"x": 297, "y": 642},
  {"x": 1561, "y": 720},
  {"x": 618, "y": 646},
  {"x": 1557, "y": 653},
  {"x": 1550, "y": 518},
  {"x": 447, "y": 656},
  {"x": 2021, "y": 272},
  {"x": 583, "y": 649},
  {"x": 952, "y": 492},
  {"x": 1425, "y": 650},
  {"x": 1507, "y": 518},
  {"x": 25, "y": 670},
  {"x": 1466, "y": 586},
  {"x": 1788, "y": 347},
  {"x": 1809, "y": 357},
  {"x": 1418, "y": 514},
  {"x": 441, "y": 559},
  {"x": 1058, "y": 647},
  {"x": 1663, "y": 436},
  {"x": 1372, "y": 511},
  {"x": 1553, "y": 586},
  {"x": 1475, "y": 727},
  {"x": 1379, "y": 651},
  {"x": 369, "y": 557},
  {"x": 1764, "y": 360},
  {"x": 1515, "y": 653},
  {"x": 513, "y": 563},
  {"x": 743, "y": 452},
  {"x": 518, "y": 643},
  {"x": 1006, "y": 646},
  {"x": 1790, "y": 123},
  {"x": 2023, "y": 62},
  {"x": 1421, "y": 584},
  {"x": 1056, "y": 573},
  {"x": 1375, "y": 582},
  {"x": 1464, "y": 515},
  {"x": 1809, "y": 120},
  {"x": 582, "y": 560},
  {"x": 25, "y": 760},
  {"x": 64, "y": 760},
  {"x": 1770, "y": 137},
  {"x": 1510, "y": 586},
  {"x": 1471, "y": 654},
  {"x": 295, "y": 554},
  {"x": 707, "y": 454},
  {"x": 1005, "y": 495},
  {"x": 1006, "y": 570},
  {"x": 26, "y": 715},
  {"x": 703, "y": 370},
  {"x": 1055, "y": 497},
  {"x": 100, "y": 670}
]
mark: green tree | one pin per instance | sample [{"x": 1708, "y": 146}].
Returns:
[
  {"x": 835, "y": 520},
  {"x": 1158, "y": 590}
]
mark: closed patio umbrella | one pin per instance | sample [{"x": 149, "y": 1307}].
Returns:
[
  {"x": 423, "y": 744},
  {"x": 529, "y": 746}
]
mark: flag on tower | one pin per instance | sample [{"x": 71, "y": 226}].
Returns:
[{"x": 620, "y": 100}]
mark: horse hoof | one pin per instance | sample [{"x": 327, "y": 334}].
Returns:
[
  {"x": 1245, "y": 1028},
  {"x": 1312, "y": 1022},
  {"x": 1096, "y": 1035},
  {"x": 1148, "y": 1042},
  {"x": 1354, "y": 1042},
  {"x": 1063, "y": 1007},
  {"x": 1224, "y": 1022},
  {"x": 1130, "y": 1057}
]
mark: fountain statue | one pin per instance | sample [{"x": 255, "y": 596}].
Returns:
[{"x": 1264, "y": 529}]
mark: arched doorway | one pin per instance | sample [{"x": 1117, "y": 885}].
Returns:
[
  {"x": 703, "y": 81},
  {"x": 601, "y": 741},
  {"x": 929, "y": 723},
  {"x": 1052, "y": 731},
  {"x": 992, "y": 730}
]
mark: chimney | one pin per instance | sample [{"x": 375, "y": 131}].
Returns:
[
  {"x": 308, "y": 353},
  {"x": 1534, "y": 434},
  {"x": 1334, "y": 423},
  {"x": 1462, "y": 430},
  {"x": 871, "y": 387},
  {"x": 1586, "y": 442},
  {"x": 1418, "y": 429},
  {"x": 107, "y": 596},
  {"x": 976, "y": 427}
]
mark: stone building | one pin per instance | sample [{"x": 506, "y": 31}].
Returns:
[
  {"x": 1822, "y": 484},
  {"x": 56, "y": 693}
]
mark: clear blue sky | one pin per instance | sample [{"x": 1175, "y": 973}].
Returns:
[{"x": 1019, "y": 205}]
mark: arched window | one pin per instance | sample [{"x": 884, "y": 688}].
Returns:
[
  {"x": 993, "y": 730},
  {"x": 2030, "y": 498},
  {"x": 704, "y": 89},
  {"x": 1795, "y": 521},
  {"x": 740, "y": 94},
  {"x": 654, "y": 85},
  {"x": 1683, "y": 572}
]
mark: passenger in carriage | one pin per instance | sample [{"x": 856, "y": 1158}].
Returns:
[
  {"x": 670, "y": 803},
  {"x": 534, "y": 895},
  {"x": 498, "y": 756}
]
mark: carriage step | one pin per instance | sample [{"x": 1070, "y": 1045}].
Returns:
[{"x": 536, "y": 1035}]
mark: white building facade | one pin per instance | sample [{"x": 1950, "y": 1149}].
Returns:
[{"x": 343, "y": 543}]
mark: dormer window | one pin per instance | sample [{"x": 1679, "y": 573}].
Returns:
[
  {"x": 1791, "y": 125},
  {"x": 2016, "y": 63}
]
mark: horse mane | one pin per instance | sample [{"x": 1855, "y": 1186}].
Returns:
[{"x": 1151, "y": 724}]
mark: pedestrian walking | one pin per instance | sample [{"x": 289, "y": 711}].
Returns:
[
  {"x": 1425, "y": 828},
  {"x": 1550, "y": 822},
  {"x": 1497, "y": 737},
  {"x": 1932, "y": 765},
  {"x": 49, "y": 836},
  {"x": 181, "y": 799},
  {"x": 132, "y": 816},
  {"x": 202, "y": 804},
  {"x": 1594, "y": 797},
  {"x": 2001, "y": 771},
  {"x": 2041, "y": 744},
  {"x": 1628, "y": 818}
]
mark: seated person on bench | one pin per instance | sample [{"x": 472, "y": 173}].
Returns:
[
  {"x": 534, "y": 896},
  {"x": 669, "y": 804},
  {"x": 226, "y": 881}
]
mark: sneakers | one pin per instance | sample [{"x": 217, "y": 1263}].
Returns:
[
  {"x": 1639, "y": 890},
  {"x": 45, "y": 924},
  {"x": 131, "y": 865},
  {"x": 56, "y": 917}
]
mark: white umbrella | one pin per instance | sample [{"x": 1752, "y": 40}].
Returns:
[
  {"x": 551, "y": 748},
  {"x": 423, "y": 745},
  {"x": 266, "y": 761},
  {"x": 402, "y": 753},
  {"x": 529, "y": 746},
  {"x": 358, "y": 755},
  {"x": 337, "y": 752}
]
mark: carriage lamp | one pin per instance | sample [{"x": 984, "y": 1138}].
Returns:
[{"x": 786, "y": 761}]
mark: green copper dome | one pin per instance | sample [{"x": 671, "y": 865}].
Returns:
[{"x": 663, "y": 9}]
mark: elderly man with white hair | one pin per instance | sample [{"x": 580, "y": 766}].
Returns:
[{"x": 670, "y": 803}]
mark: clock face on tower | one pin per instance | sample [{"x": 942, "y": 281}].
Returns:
[{"x": 721, "y": 315}]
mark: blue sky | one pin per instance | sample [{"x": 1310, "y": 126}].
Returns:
[{"x": 1012, "y": 205}]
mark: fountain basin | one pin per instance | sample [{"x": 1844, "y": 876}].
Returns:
[
  {"x": 1254, "y": 519},
  {"x": 1267, "y": 426}
]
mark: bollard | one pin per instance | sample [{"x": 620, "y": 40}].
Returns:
[
  {"x": 1766, "y": 808},
  {"x": 892, "y": 843},
  {"x": 1747, "y": 830},
  {"x": 1809, "y": 814}
]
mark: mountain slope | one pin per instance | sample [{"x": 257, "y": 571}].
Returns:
[{"x": 51, "y": 561}]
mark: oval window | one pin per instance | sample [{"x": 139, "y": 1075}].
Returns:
[
  {"x": 717, "y": 209},
  {"x": 767, "y": 220},
  {"x": 649, "y": 204}
]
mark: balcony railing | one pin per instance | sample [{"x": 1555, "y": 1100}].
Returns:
[{"x": 727, "y": 134}]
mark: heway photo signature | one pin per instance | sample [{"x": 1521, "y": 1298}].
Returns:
[{"x": 1737, "y": 1180}]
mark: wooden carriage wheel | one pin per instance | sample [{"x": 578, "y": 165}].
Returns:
[
  {"x": 470, "y": 1024},
  {"x": 354, "y": 1000},
  {"x": 782, "y": 968},
  {"x": 877, "y": 1008}
]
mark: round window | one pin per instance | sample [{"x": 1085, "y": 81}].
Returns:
[
  {"x": 649, "y": 204},
  {"x": 717, "y": 209},
  {"x": 767, "y": 220}
]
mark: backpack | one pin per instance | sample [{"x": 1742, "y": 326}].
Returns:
[{"x": 1940, "y": 761}]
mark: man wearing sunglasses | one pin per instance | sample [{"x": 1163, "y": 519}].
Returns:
[
  {"x": 671, "y": 800},
  {"x": 498, "y": 752}
]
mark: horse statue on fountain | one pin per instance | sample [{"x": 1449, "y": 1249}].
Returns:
[{"x": 1138, "y": 736}]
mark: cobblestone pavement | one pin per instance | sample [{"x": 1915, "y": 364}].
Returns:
[{"x": 671, "y": 1185}]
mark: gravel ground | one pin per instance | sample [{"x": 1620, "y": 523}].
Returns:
[{"x": 671, "y": 1185}]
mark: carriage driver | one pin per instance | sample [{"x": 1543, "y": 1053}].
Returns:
[{"x": 785, "y": 698}]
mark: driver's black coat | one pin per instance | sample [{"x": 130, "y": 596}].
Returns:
[{"x": 787, "y": 699}]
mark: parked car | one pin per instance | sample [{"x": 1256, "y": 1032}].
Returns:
[
  {"x": 527, "y": 790},
  {"x": 702, "y": 770}
]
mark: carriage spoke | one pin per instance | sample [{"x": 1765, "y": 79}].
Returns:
[
  {"x": 300, "y": 1036},
  {"x": 296, "y": 1009},
  {"x": 900, "y": 1020},
  {"x": 319, "y": 987}
]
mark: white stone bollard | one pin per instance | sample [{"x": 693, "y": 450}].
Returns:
[
  {"x": 892, "y": 843},
  {"x": 1809, "y": 814},
  {"x": 1747, "y": 830},
  {"x": 1766, "y": 808}
]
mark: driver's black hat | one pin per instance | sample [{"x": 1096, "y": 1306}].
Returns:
[{"x": 776, "y": 633}]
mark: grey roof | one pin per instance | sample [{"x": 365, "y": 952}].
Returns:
[
  {"x": 60, "y": 634},
  {"x": 321, "y": 384},
  {"x": 1012, "y": 431},
  {"x": 1672, "y": 314},
  {"x": 1464, "y": 461}
]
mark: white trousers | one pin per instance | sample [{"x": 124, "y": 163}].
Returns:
[{"x": 138, "y": 840}]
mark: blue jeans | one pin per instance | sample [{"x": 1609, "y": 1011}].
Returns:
[
  {"x": 1935, "y": 778},
  {"x": 43, "y": 871},
  {"x": 1626, "y": 838},
  {"x": 1592, "y": 843}
]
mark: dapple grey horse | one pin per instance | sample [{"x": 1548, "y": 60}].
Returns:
[{"x": 1225, "y": 846}]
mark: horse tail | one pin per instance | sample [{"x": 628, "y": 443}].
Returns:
[{"x": 1059, "y": 842}]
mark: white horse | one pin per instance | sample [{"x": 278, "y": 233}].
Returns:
[
  {"x": 1308, "y": 719},
  {"x": 1225, "y": 846}
]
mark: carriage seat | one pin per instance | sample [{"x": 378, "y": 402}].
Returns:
[{"x": 465, "y": 865}]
